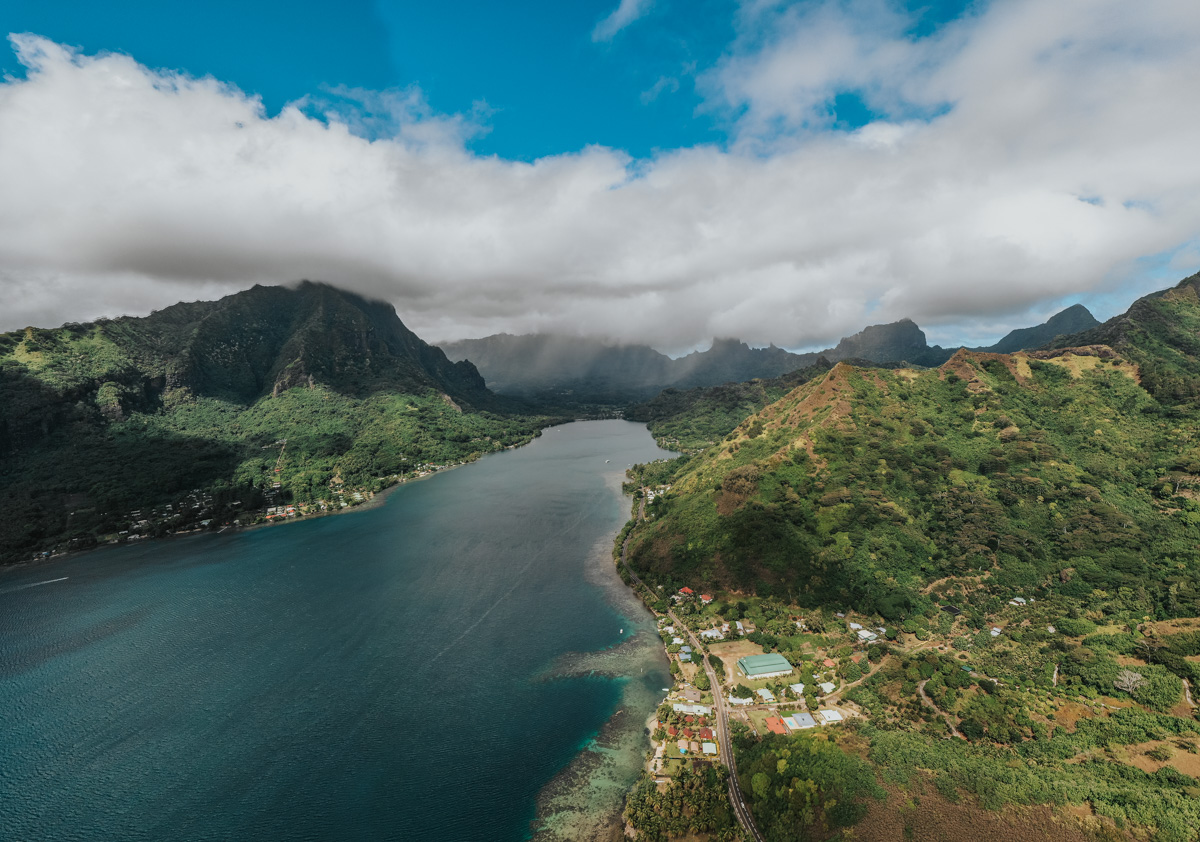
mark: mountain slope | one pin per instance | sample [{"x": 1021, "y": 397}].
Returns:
[
  {"x": 1074, "y": 319},
  {"x": 860, "y": 487},
  {"x": 100, "y": 420}
]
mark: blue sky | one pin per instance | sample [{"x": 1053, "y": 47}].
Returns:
[
  {"x": 664, "y": 171},
  {"x": 546, "y": 84}
]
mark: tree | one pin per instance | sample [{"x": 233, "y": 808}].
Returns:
[{"x": 1129, "y": 681}]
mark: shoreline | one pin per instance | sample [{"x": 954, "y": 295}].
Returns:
[
  {"x": 586, "y": 798},
  {"x": 375, "y": 500}
]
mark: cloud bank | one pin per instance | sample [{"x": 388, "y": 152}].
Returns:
[{"x": 1029, "y": 152}]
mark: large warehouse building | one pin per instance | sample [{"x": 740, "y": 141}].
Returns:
[{"x": 764, "y": 666}]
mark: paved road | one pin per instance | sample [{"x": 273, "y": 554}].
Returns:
[{"x": 735, "y": 789}]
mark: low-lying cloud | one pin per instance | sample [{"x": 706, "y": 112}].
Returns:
[{"x": 1030, "y": 152}]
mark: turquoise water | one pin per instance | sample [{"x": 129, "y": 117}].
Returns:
[{"x": 377, "y": 675}]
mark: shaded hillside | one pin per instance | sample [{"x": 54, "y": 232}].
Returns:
[
  {"x": 1074, "y": 319},
  {"x": 1052, "y": 469},
  {"x": 100, "y": 420}
]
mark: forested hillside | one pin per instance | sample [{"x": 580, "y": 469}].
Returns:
[
  {"x": 1015, "y": 536},
  {"x": 1051, "y": 469},
  {"x": 204, "y": 410}
]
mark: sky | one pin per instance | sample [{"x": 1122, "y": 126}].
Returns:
[{"x": 657, "y": 171}]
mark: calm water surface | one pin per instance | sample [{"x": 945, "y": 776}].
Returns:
[{"x": 376, "y": 675}]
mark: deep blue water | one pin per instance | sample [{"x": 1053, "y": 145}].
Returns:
[{"x": 375, "y": 675}]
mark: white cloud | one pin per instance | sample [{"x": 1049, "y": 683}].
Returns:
[
  {"x": 626, "y": 13},
  {"x": 127, "y": 189}
]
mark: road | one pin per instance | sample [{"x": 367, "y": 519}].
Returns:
[
  {"x": 928, "y": 702},
  {"x": 735, "y": 788}
]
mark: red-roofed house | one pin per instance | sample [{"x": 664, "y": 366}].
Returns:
[
  {"x": 687, "y": 591},
  {"x": 829, "y": 662},
  {"x": 688, "y": 732},
  {"x": 672, "y": 731},
  {"x": 706, "y": 733},
  {"x": 775, "y": 725},
  {"x": 706, "y": 598}
]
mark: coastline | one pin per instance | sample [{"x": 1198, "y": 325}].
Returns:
[
  {"x": 586, "y": 799},
  {"x": 375, "y": 500}
]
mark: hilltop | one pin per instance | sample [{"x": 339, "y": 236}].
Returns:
[{"x": 306, "y": 396}]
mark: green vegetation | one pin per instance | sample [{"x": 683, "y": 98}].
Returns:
[
  {"x": 695, "y": 801},
  {"x": 1058, "y": 476},
  {"x": 157, "y": 424},
  {"x": 691, "y": 420},
  {"x": 1049, "y": 500},
  {"x": 802, "y": 786}
]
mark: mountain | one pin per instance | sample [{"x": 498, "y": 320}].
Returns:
[
  {"x": 553, "y": 365},
  {"x": 896, "y": 342},
  {"x": 1016, "y": 537},
  {"x": 195, "y": 401},
  {"x": 1074, "y": 319},
  {"x": 557, "y": 368},
  {"x": 577, "y": 369}
]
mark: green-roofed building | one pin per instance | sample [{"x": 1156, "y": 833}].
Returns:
[{"x": 764, "y": 666}]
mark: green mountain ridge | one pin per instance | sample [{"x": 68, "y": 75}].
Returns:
[
  {"x": 862, "y": 486},
  {"x": 195, "y": 401}
]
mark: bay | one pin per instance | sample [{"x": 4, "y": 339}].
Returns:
[{"x": 417, "y": 670}]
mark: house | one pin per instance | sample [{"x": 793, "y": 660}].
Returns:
[
  {"x": 831, "y": 716},
  {"x": 951, "y": 610},
  {"x": 764, "y": 666},
  {"x": 712, "y": 634},
  {"x": 802, "y": 720},
  {"x": 995, "y": 631},
  {"x": 682, "y": 745},
  {"x": 829, "y": 663},
  {"x": 697, "y": 709},
  {"x": 685, "y": 649},
  {"x": 1017, "y": 600},
  {"x": 706, "y": 733},
  {"x": 678, "y": 641},
  {"x": 826, "y": 687},
  {"x": 855, "y": 626},
  {"x": 741, "y": 629},
  {"x": 867, "y": 636},
  {"x": 691, "y": 695},
  {"x": 686, "y": 591},
  {"x": 775, "y": 725},
  {"x": 672, "y": 731},
  {"x": 694, "y": 747},
  {"x": 734, "y": 700},
  {"x": 766, "y": 695},
  {"x": 705, "y": 598},
  {"x": 708, "y": 748},
  {"x": 798, "y": 689},
  {"x": 685, "y": 656}
]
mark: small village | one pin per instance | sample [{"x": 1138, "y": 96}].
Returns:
[{"x": 770, "y": 693}]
